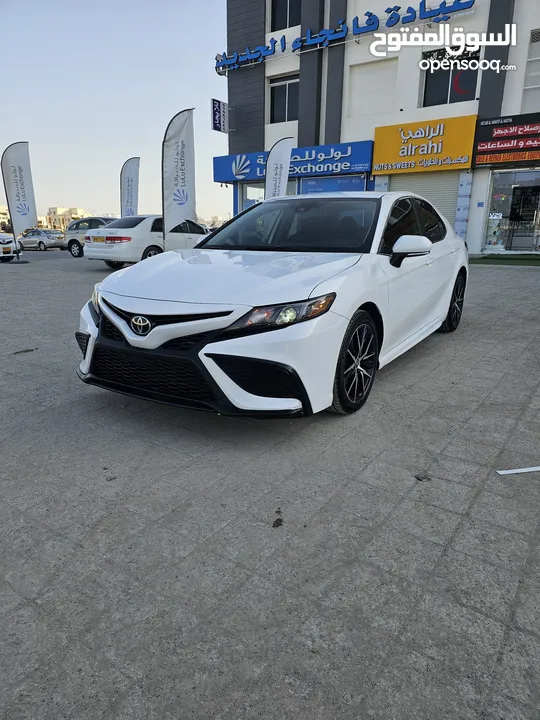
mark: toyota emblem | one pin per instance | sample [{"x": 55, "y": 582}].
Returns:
[{"x": 140, "y": 325}]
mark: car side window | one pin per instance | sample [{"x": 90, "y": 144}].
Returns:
[
  {"x": 157, "y": 225},
  {"x": 432, "y": 225},
  {"x": 83, "y": 226},
  {"x": 182, "y": 228},
  {"x": 95, "y": 224},
  {"x": 74, "y": 227},
  {"x": 401, "y": 221},
  {"x": 194, "y": 228}
]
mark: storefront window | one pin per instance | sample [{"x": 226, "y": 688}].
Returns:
[
  {"x": 514, "y": 212},
  {"x": 252, "y": 193}
]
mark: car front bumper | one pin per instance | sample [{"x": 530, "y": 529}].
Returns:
[{"x": 282, "y": 373}]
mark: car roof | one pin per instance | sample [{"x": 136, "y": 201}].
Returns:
[{"x": 364, "y": 194}]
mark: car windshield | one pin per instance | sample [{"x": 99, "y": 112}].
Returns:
[
  {"x": 127, "y": 222},
  {"x": 302, "y": 225}
]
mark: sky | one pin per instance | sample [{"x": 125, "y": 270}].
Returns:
[{"x": 90, "y": 84}]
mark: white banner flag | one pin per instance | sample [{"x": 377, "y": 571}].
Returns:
[
  {"x": 277, "y": 168},
  {"x": 129, "y": 187},
  {"x": 19, "y": 188},
  {"x": 178, "y": 171}
]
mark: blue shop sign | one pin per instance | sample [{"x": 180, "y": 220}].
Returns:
[
  {"x": 342, "y": 158},
  {"x": 326, "y": 37}
]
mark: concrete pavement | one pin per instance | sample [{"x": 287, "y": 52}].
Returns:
[{"x": 141, "y": 575}]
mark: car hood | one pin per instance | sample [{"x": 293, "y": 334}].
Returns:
[{"x": 228, "y": 276}]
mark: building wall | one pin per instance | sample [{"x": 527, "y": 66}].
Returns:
[
  {"x": 527, "y": 18},
  {"x": 390, "y": 91},
  {"x": 246, "y": 26}
]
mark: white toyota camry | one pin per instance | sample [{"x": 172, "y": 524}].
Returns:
[{"x": 287, "y": 310}]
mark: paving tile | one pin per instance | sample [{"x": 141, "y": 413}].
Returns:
[
  {"x": 426, "y": 521},
  {"x": 474, "y": 451},
  {"x": 451, "y": 496},
  {"x": 457, "y": 636},
  {"x": 493, "y": 544},
  {"x": 73, "y": 684},
  {"x": 474, "y": 583},
  {"x": 371, "y": 595},
  {"x": 27, "y": 639},
  {"x": 289, "y": 690},
  {"x": 517, "y": 682},
  {"x": 506, "y": 512},
  {"x": 528, "y": 607},
  {"x": 403, "y": 554},
  {"x": 415, "y": 687},
  {"x": 388, "y": 477},
  {"x": 308, "y": 563},
  {"x": 456, "y": 470}
]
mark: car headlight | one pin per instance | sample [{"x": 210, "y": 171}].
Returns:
[
  {"x": 95, "y": 298},
  {"x": 273, "y": 317}
]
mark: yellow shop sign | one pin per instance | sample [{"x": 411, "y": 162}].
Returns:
[{"x": 424, "y": 146}]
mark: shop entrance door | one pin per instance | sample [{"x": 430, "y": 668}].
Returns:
[{"x": 524, "y": 231}]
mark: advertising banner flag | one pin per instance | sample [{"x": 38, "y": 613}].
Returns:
[
  {"x": 277, "y": 168},
  {"x": 178, "y": 172},
  {"x": 129, "y": 187},
  {"x": 220, "y": 116},
  {"x": 18, "y": 186}
]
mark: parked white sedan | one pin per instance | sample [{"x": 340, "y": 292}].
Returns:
[
  {"x": 138, "y": 237},
  {"x": 7, "y": 248},
  {"x": 287, "y": 310}
]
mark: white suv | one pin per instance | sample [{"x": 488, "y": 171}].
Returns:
[
  {"x": 138, "y": 237},
  {"x": 77, "y": 230}
]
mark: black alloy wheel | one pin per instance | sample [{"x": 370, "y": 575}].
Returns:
[
  {"x": 357, "y": 365},
  {"x": 455, "y": 312}
]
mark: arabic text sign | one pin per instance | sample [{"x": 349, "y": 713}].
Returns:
[
  {"x": 343, "y": 158},
  {"x": 325, "y": 37},
  {"x": 426, "y": 146},
  {"x": 220, "y": 116},
  {"x": 510, "y": 139},
  {"x": 457, "y": 42}
]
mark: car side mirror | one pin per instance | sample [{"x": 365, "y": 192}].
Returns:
[{"x": 409, "y": 246}]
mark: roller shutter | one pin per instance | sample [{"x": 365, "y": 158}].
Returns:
[{"x": 439, "y": 188}]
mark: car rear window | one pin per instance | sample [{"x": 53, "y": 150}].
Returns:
[{"x": 127, "y": 222}]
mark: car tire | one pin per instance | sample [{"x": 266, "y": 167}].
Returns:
[
  {"x": 114, "y": 265},
  {"x": 357, "y": 365},
  {"x": 42, "y": 246},
  {"x": 151, "y": 251},
  {"x": 9, "y": 259},
  {"x": 455, "y": 311},
  {"x": 75, "y": 248}
]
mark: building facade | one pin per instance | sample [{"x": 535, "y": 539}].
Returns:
[
  {"x": 58, "y": 218},
  {"x": 304, "y": 69}
]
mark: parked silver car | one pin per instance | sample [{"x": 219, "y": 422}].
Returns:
[
  {"x": 77, "y": 230},
  {"x": 36, "y": 239}
]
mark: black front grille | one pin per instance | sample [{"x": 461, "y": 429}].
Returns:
[
  {"x": 186, "y": 343},
  {"x": 170, "y": 378},
  {"x": 260, "y": 377},
  {"x": 110, "y": 331},
  {"x": 82, "y": 340},
  {"x": 157, "y": 320}
]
